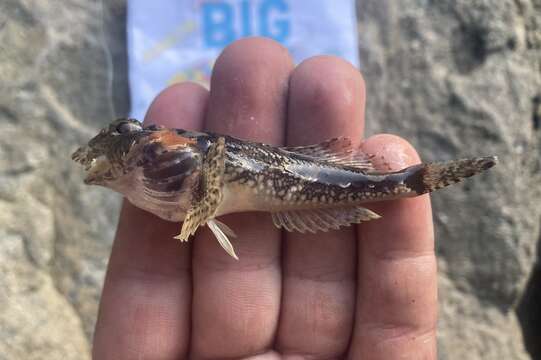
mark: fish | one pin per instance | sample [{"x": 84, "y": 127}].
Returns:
[{"x": 194, "y": 177}]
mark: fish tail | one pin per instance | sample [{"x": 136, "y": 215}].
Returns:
[{"x": 425, "y": 178}]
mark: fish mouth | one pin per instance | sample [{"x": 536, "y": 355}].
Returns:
[{"x": 95, "y": 166}]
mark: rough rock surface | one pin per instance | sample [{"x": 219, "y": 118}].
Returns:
[
  {"x": 54, "y": 237},
  {"x": 456, "y": 78},
  {"x": 461, "y": 78}
]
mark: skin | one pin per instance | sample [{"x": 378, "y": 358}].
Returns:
[{"x": 366, "y": 292}]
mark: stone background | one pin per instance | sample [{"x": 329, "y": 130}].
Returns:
[{"x": 455, "y": 77}]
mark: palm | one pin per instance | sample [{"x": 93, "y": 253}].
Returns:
[{"x": 368, "y": 292}]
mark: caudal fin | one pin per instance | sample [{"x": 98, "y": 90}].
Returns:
[{"x": 425, "y": 178}]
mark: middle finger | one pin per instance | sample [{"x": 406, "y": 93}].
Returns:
[{"x": 236, "y": 303}]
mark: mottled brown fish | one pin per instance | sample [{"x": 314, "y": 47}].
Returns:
[{"x": 194, "y": 177}]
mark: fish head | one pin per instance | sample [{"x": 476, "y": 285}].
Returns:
[
  {"x": 104, "y": 155},
  {"x": 138, "y": 160}
]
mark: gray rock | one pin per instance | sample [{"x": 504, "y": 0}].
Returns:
[
  {"x": 55, "y": 233},
  {"x": 36, "y": 319},
  {"x": 458, "y": 79}
]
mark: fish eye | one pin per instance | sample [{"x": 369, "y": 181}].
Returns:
[{"x": 128, "y": 126}]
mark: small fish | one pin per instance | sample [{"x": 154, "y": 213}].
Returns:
[{"x": 194, "y": 177}]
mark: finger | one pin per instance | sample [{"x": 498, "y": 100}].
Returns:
[
  {"x": 146, "y": 300},
  {"x": 326, "y": 100},
  {"x": 397, "y": 288},
  {"x": 236, "y": 303}
]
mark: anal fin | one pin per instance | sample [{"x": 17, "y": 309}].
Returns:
[{"x": 314, "y": 220}]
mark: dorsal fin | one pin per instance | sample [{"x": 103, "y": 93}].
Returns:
[{"x": 339, "y": 151}]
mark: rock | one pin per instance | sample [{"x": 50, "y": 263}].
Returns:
[
  {"x": 458, "y": 79},
  {"x": 36, "y": 319},
  {"x": 55, "y": 233}
]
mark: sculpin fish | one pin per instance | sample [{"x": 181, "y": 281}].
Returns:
[{"x": 194, "y": 177}]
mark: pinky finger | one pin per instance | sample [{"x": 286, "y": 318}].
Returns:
[{"x": 397, "y": 280}]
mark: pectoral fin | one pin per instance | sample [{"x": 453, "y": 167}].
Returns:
[
  {"x": 209, "y": 192},
  {"x": 321, "y": 219}
]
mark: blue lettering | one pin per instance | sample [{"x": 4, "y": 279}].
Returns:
[
  {"x": 218, "y": 28},
  {"x": 246, "y": 18},
  {"x": 281, "y": 26}
]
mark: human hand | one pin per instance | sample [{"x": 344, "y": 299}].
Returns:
[{"x": 368, "y": 292}]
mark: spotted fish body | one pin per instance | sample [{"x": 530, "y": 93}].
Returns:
[{"x": 194, "y": 177}]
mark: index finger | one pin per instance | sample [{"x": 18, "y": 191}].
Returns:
[{"x": 146, "y": 300}]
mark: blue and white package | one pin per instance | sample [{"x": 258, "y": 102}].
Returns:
[{"x": 178, "y": 40}]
